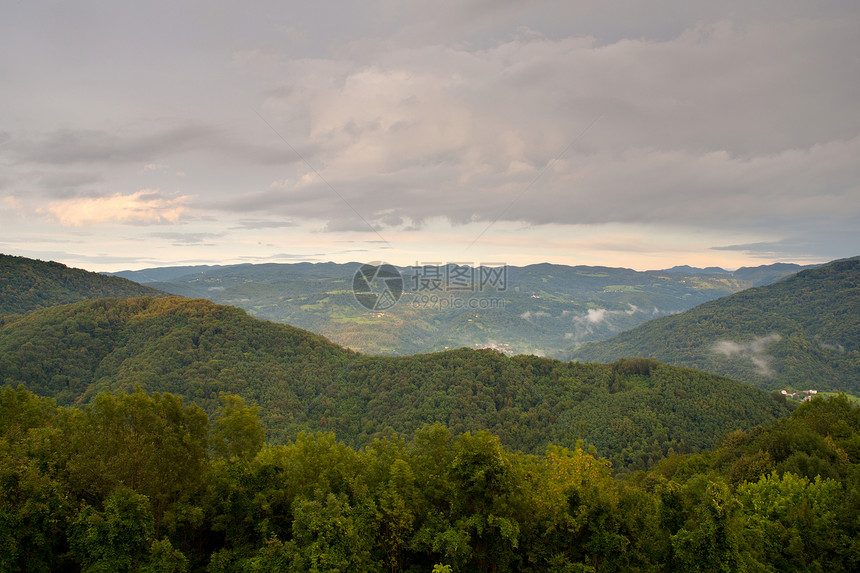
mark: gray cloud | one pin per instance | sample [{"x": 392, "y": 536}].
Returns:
[
  {"x": 64, "y": 184},
  {"x": 734, "y": 117},
  {"x": 676, "y": 142},
  {"x": 836, "y": 347},
  {"x": 286, "y": 257},
  {"x": 263, "y": 224},
  {"x": 183, "y": 239},
  {"x": 66, "y": 146},
  {"x": 808, "y": 240}
]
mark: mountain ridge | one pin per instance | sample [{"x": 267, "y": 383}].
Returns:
[
  {"x": 633, "y": 411},
  {"x": 802, "y": 331},
  {"x": 542, "y": 308}
]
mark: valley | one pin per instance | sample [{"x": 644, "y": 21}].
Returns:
[{"x": 543, "y": 309}]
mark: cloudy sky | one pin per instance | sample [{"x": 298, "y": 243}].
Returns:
[{"x": 623, "y": 133}]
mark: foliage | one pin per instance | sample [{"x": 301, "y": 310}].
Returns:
[
  {"x": 547, "y": 308},
  {"x": 434, "y": 502},
  {"x": 28, "y": 284},
  {"x": 801, "y": 332},
  {"x": 237, "y": 431},
  {"x": 633, "y": 412}
]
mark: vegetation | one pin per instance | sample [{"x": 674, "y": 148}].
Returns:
[
  {"x": 28, "y": 284},
  {"x": 633, "y": 412},
  {"x": 543, "y": 309},
  {"x": 139, "y": 482},
  {"x": 176, "y": 435},
  {"x": 802, "y": 332}
]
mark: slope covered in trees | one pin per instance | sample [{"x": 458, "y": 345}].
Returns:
[
  {"x": 143, "y": 482},
  {"x": 633, "y": 411},
  {"x": 801, "y": 332},
  {"x": 29, "y": 284}
]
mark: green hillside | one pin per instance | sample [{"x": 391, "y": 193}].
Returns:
[
  {"x": 28, "y": 284},
  {"x": 801, "y": 332},
  {"x": 541, "y": 309},
  {"x": 632, "y": 411}
]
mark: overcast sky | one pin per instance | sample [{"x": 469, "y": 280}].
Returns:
[{"x": 628, "y": 133}]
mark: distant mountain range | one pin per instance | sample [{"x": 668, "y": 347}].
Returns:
[
  {"x": 757, "y": 276},
  {"x": 542, "y": 309},
  {"x": 802, "y": 331}
]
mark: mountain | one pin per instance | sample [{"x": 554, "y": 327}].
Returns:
[
  {"x": 757, "y": 276},
  {"x": 156, "y": 274},
  {"x": 29, "y": 284},
  {"x": 801, "y": 332},
  {"x": 540, "y": 309},
  {"x": 767, "y": 274},
  {"x": 687, "y": 269},
  {"x": 632, "y": 411}
]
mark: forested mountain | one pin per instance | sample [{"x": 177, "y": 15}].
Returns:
[
  {"x": 801, "y": 332},
  {"x": 141, "y": 482},
  {"x": 541, "y": 309},
  {"x": 634, "y": 412},
  {"x": 28, "y": 284}
]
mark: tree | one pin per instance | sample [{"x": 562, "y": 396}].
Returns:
[
  {"x": 152, "y": 445},
  {"x": 237, "y": 430}
]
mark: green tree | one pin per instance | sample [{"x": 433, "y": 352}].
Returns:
[
  {"x": 237, "y": 430},
  {"x": 331, "y": 536},
  {"x": 708, "y": 541},
  {"x": 121, "y": 538},
  {"x": 791, "y": 522},
  {"x": 153, "y": 445}
]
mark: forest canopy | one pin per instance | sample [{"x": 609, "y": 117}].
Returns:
[{"x": 144, "y": 482}]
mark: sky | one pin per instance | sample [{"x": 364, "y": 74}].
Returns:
[{"x": 619, "y": 133}]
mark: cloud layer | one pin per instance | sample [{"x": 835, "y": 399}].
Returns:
[{"x": 267, "y": 123}]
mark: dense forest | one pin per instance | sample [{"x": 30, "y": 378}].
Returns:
[
  {"x": 633, "y": 411},
  {"x": 28, "y": 284},
  {"x": 801, "y": 332},
  {"x": 146, "y": 482}
]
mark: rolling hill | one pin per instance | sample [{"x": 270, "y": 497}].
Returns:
[
  {"x": 632, "y": 411},
  {"x": 543, "y": 309},
  {"x": 29, "y": 284},
  {"x": 801, "y": 332}
]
